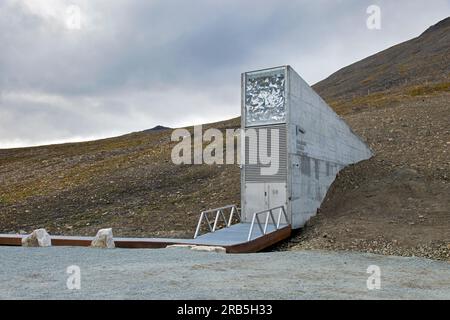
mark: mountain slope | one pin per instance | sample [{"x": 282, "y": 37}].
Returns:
[{"x": 423, "y": 62}]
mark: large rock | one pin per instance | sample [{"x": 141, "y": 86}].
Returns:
[
  {"x": 38, "y": 238},
  {"x": 103, "y": 239}
]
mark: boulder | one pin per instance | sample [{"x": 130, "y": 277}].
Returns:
[
  {"x": 103, "y": 239},
  {"x": 209, "y": 249},
  {"x": 38, "y": 238}
]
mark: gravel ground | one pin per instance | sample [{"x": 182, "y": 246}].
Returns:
[{"x": 40, "y": 273}]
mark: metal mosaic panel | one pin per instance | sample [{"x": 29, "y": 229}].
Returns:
[{"x": 265, "y": 98}]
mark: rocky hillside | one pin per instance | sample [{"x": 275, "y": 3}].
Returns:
[
  {"x": 395, "y": 203},
  {"x": 128, "y": 183}
]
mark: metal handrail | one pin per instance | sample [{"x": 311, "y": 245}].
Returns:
[
  {"x": 269, "y": 214},
  {"x": 220, "y": 212}
]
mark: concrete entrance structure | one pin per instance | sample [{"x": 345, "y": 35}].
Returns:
[{"x": 313, "y": 144}]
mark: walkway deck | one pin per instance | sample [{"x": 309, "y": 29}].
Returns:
[{"x": 234, "y": 239}]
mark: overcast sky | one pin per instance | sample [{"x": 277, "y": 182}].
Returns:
[{"x": 130, "y": 65}]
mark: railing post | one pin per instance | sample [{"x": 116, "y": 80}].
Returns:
[
  {"x": 259, "y": 224},
  {"x": 231, "y": 217},
  {"x": 216, "y": 220},
  {"x": 197, "y": 230},
  {"x": 251, "y": 228},
  {"x": 273, "y": 220},
  {"x": 279, "y": 217},
  {"x": 267, "y": 221}
]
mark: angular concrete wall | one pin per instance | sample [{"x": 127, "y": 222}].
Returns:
[{"x": 320, "y": 145}]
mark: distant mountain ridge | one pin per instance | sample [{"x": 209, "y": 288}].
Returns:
[{"x": 157, "y": 128}]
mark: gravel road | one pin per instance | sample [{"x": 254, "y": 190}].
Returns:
[{"x": 41, "y": 273}]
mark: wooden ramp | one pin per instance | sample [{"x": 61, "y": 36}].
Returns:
[{"x": 234, "y": 239}]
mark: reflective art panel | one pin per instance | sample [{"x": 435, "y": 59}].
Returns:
[{"x": 265, "y": 98}]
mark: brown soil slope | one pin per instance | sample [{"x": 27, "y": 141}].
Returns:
[{"x": 397, "y": 202}]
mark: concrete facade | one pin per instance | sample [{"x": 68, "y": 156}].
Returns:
[{"x": 315, "y": 144}]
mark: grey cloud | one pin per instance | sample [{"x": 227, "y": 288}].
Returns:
[{"x": 135, "y": 64}]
